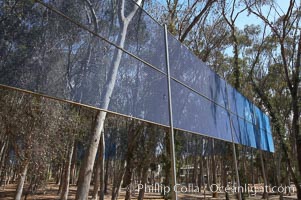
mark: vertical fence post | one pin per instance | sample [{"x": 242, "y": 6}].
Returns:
[
  {"x": 171, "y": 132},
  {"x": 233, "y": 146}
]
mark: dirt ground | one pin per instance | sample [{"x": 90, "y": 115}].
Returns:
[{"x": 50, "y": 193}]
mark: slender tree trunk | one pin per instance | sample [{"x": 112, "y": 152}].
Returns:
[
  {"x": 2, "y": 150},
  {"x": 132, "y": 145},
  {"x": 143, "y": 182},
  {"x": 73, "y": 165},
  {"x": 67, "y": 170},
  {"x": 21, "y": 182},
  {"x": 117, "y": 182},
  {"x": 252, "y": 168},
  {"x": 61, "y": 178},
  {"x": 128, "y": 177},
  {"x": 213, "y": 165},
  {"x": 99, "y": 174},
  {"x": 167, "y": 167},
  {"x": 225, "y": 178},
  {"x": 278, "y": 173},
  {"x": 244, "y": 176},
  {"x": 265, "y": 192},
  {"x": 87, "y": 167},
  {"x": 102, "y": 172},
  {"x": 106, "y": 177},
  {"x": 195, "y": 171},
  {"x": 208, "y": 173},
  {"x": 4, "y": 158},
  {"x": 201, "y": 174},
  {"x": 58, "y": 176},
  {"x": 296, "y": 122},
  {"x": 237, "y": 70},
  {"x": 195, "y": 165}
]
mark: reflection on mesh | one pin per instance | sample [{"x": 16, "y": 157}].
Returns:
[{"x": 61, "y": 52}]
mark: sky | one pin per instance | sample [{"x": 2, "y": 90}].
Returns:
[{"x": 244, "y": 18}]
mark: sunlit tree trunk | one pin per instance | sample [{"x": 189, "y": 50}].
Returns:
[
  {"x": 87, "y": 167},
  {"x": 66, "y": 176},
  {"x": 21, "y": 182}
]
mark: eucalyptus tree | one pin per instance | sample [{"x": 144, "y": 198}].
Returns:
[
  {"x": 87, "y": 168},
  {"x": 282, "y": 46}
]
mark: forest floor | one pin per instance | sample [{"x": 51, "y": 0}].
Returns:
[{"x": 50, "y": 193}]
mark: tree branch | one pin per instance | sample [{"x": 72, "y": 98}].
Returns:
[{"x": 196, "y": 19}]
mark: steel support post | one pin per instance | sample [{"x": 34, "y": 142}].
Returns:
[{"x": 171, "y": 131}]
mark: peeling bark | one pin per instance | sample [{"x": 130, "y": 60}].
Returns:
[{"x": 87, "y": 167}]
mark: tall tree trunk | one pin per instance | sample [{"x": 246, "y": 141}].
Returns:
[
  {"x": 236, "y": 64},
  {"x": 2, "y": 149},
  {"x": 96, "y": 181},
  {"x": 117, "y": 182},
  {"x": 143, "y": 182},
  {"x": 296, "y": 112},
  {"x": 225, "y": 178},
  {"x": 265, "y": 192},
  {"x": 87, "y": 167},
  {"x": 58, "y": 175},
  {"x": 195, "y": 164},
  {"x": 128, "y": 176},
  {"x": 296, "y": 121},
  {"x": 132, "y": 145},
  {"x": 73, "y": 165},
  {"x": 279, "y": 130},
  {"x": 252, "y": 168},
  {"x": 102, "y": 172},
  {"x": 61, "y": 179},
  {"x": 67, "y": 170},
  {"x": 278, "y": 173},
  {"x": 106, "y": 177},
  {"x": 99, "y": 173},
  {"x": 213, "y": 166},
  {"x": 201, "y": 174},
  {"x": 167, "y": 161},
  {"x": 21, "y": 182},
  {"x": 4, "y": 157},
  {"x": 208, "y": 174}
]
